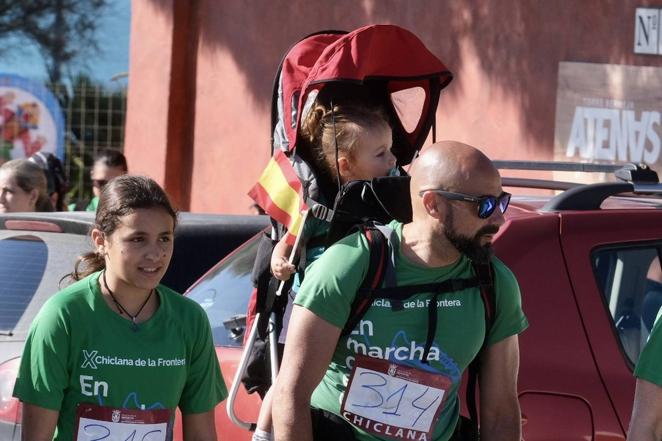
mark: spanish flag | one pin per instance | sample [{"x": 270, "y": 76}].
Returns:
[{"x": 280, "y": 194}]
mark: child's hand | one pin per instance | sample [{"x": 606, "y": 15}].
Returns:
[{"x": 281, "y": 268}]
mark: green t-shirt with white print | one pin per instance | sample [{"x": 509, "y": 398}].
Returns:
[
  {"x": 80, "y": 351},
  {"x": 330, "y": 287}
]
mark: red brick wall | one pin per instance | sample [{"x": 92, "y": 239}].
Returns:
[{"x": 201, "y": 74}]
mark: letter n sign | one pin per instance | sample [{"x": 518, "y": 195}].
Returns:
[{"x": 646, "y": 31}]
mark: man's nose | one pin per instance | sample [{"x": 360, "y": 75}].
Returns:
[{"x": 497, "y": 217}]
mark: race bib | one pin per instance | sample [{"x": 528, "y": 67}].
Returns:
[
  {"x": 390, "y": 400},
  {"x": 96, "y": 423}
]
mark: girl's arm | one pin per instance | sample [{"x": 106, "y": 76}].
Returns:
[
  {"x": 281, "y": 267},
  {"x": 38, "y": 423}
]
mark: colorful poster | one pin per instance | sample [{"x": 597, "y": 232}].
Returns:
[
  {"x": 608, "y": 114},
  {"x": 30, "y": 119}
]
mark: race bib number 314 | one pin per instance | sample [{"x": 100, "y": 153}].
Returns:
[
  {"x": 390, "y": 400},
  {"x": 97, "y": 423}
]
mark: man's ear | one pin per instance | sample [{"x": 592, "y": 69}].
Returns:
[
  {"x": 433, "y": 206},
  {"x": 99, "y": 241}
]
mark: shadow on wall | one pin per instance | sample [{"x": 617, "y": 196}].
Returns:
[{"x": 518, "y": 44}]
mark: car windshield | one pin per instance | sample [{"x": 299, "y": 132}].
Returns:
[{"x": 224, "y": 294}]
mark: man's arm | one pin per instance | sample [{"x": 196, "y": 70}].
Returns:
[
  {"x": 38, "y": 423},
  {"x": 310, "y": 344},
  {"x": 646, "y": 421},
  {"x": 199, "y": 426},
  {"x": 499, "y": 407}
]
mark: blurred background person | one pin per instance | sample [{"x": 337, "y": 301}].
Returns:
[
  {"x": 108, "y": 164},
  {"x": 23, "y": 187},
  {"x": 57, "y": 184}
]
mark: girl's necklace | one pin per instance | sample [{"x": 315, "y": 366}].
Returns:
[{"x": 121, "y": 309}]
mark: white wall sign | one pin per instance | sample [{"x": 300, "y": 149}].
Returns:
[
  {"x": 647, "y": 31},
  {"x": 608, "y": 113}
]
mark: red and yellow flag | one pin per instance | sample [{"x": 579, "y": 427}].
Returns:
[{"x": 280, "y": 193}]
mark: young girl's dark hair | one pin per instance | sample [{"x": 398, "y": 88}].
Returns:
[{"x": 121, "y": 196}]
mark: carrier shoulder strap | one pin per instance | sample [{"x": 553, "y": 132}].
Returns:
[
  {"x": 378, "y": 246},
  {"x": 485, "y": 273}
]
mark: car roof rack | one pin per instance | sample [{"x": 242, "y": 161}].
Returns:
[
  {"x": 558, "y": 166},
  {"x": 637, "y": 179},
  {"x": 549, "y": 184}
]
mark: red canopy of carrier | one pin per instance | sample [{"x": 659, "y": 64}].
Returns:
[{"x": 408, "y": 74}]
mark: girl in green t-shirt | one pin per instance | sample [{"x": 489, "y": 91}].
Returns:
[{"x": 113, "y": 355}]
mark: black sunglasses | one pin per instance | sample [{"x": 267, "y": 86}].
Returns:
[
  {"x": 99, "y": 183},
  {"x": 486, "y": 204}
]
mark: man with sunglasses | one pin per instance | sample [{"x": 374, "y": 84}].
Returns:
[
  {"x": 379, "y": 378},
  {"x": 108, "y": 164}
]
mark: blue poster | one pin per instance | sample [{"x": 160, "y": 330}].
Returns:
[{"x": 31, "y": 119}]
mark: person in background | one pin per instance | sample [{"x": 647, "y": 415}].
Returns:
[
  {"x": 56, "y": 180},
  {"x": 108, "y": 164},
  {"x": 646, "y": 420},
  {"x": 23, "y": 187},
  {"x": 116, "y": 352}
]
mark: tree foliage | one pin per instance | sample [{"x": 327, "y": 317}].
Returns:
[{"x": 64, "y": 31}]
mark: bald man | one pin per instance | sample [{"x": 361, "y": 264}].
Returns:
[{"x": 376, "y": 377}]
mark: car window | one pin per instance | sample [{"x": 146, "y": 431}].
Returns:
[
  {"x": 32, "y": 267},
  {"x": 630, "y": 279},
  {"x": 23, "y": 263},
  {"x": 224, "y": 294}
]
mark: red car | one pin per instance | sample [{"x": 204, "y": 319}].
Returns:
[{"x": 582, "y": 259}]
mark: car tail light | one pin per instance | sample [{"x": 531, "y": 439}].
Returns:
[
  {"x": 10, "y": 407},
  {"x": 32, "y": 225}
]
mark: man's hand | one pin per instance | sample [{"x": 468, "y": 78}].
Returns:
[
  {"x": 646, "y": 421},
  {"x": 500, "y": 418}
]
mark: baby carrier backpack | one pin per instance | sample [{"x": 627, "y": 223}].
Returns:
[{"x": 382, "y": 65}]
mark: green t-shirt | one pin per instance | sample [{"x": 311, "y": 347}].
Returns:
[
  {"x": 80, "y": 351},
  {"x": 399, "y": 336},
  {"x": 647, "y": 366},
  {"x": 92, "y": 206},
  {"x": 94, "y": 203}
]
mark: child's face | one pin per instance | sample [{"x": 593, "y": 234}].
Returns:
[
  {"x": 138, "y": 252},
  {"x": 372, "y": 157}
]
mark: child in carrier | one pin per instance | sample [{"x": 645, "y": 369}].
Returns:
[{"x": 348, "y": 142}]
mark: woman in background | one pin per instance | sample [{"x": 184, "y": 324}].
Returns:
[{"x": 23, "y": 187}]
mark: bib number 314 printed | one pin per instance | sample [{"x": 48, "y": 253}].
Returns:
[
  {"x": 387, "y": 399},
  {"x": 98, "y": 423}
]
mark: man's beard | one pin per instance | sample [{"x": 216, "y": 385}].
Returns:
[{"x": 470, "y": 246}]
